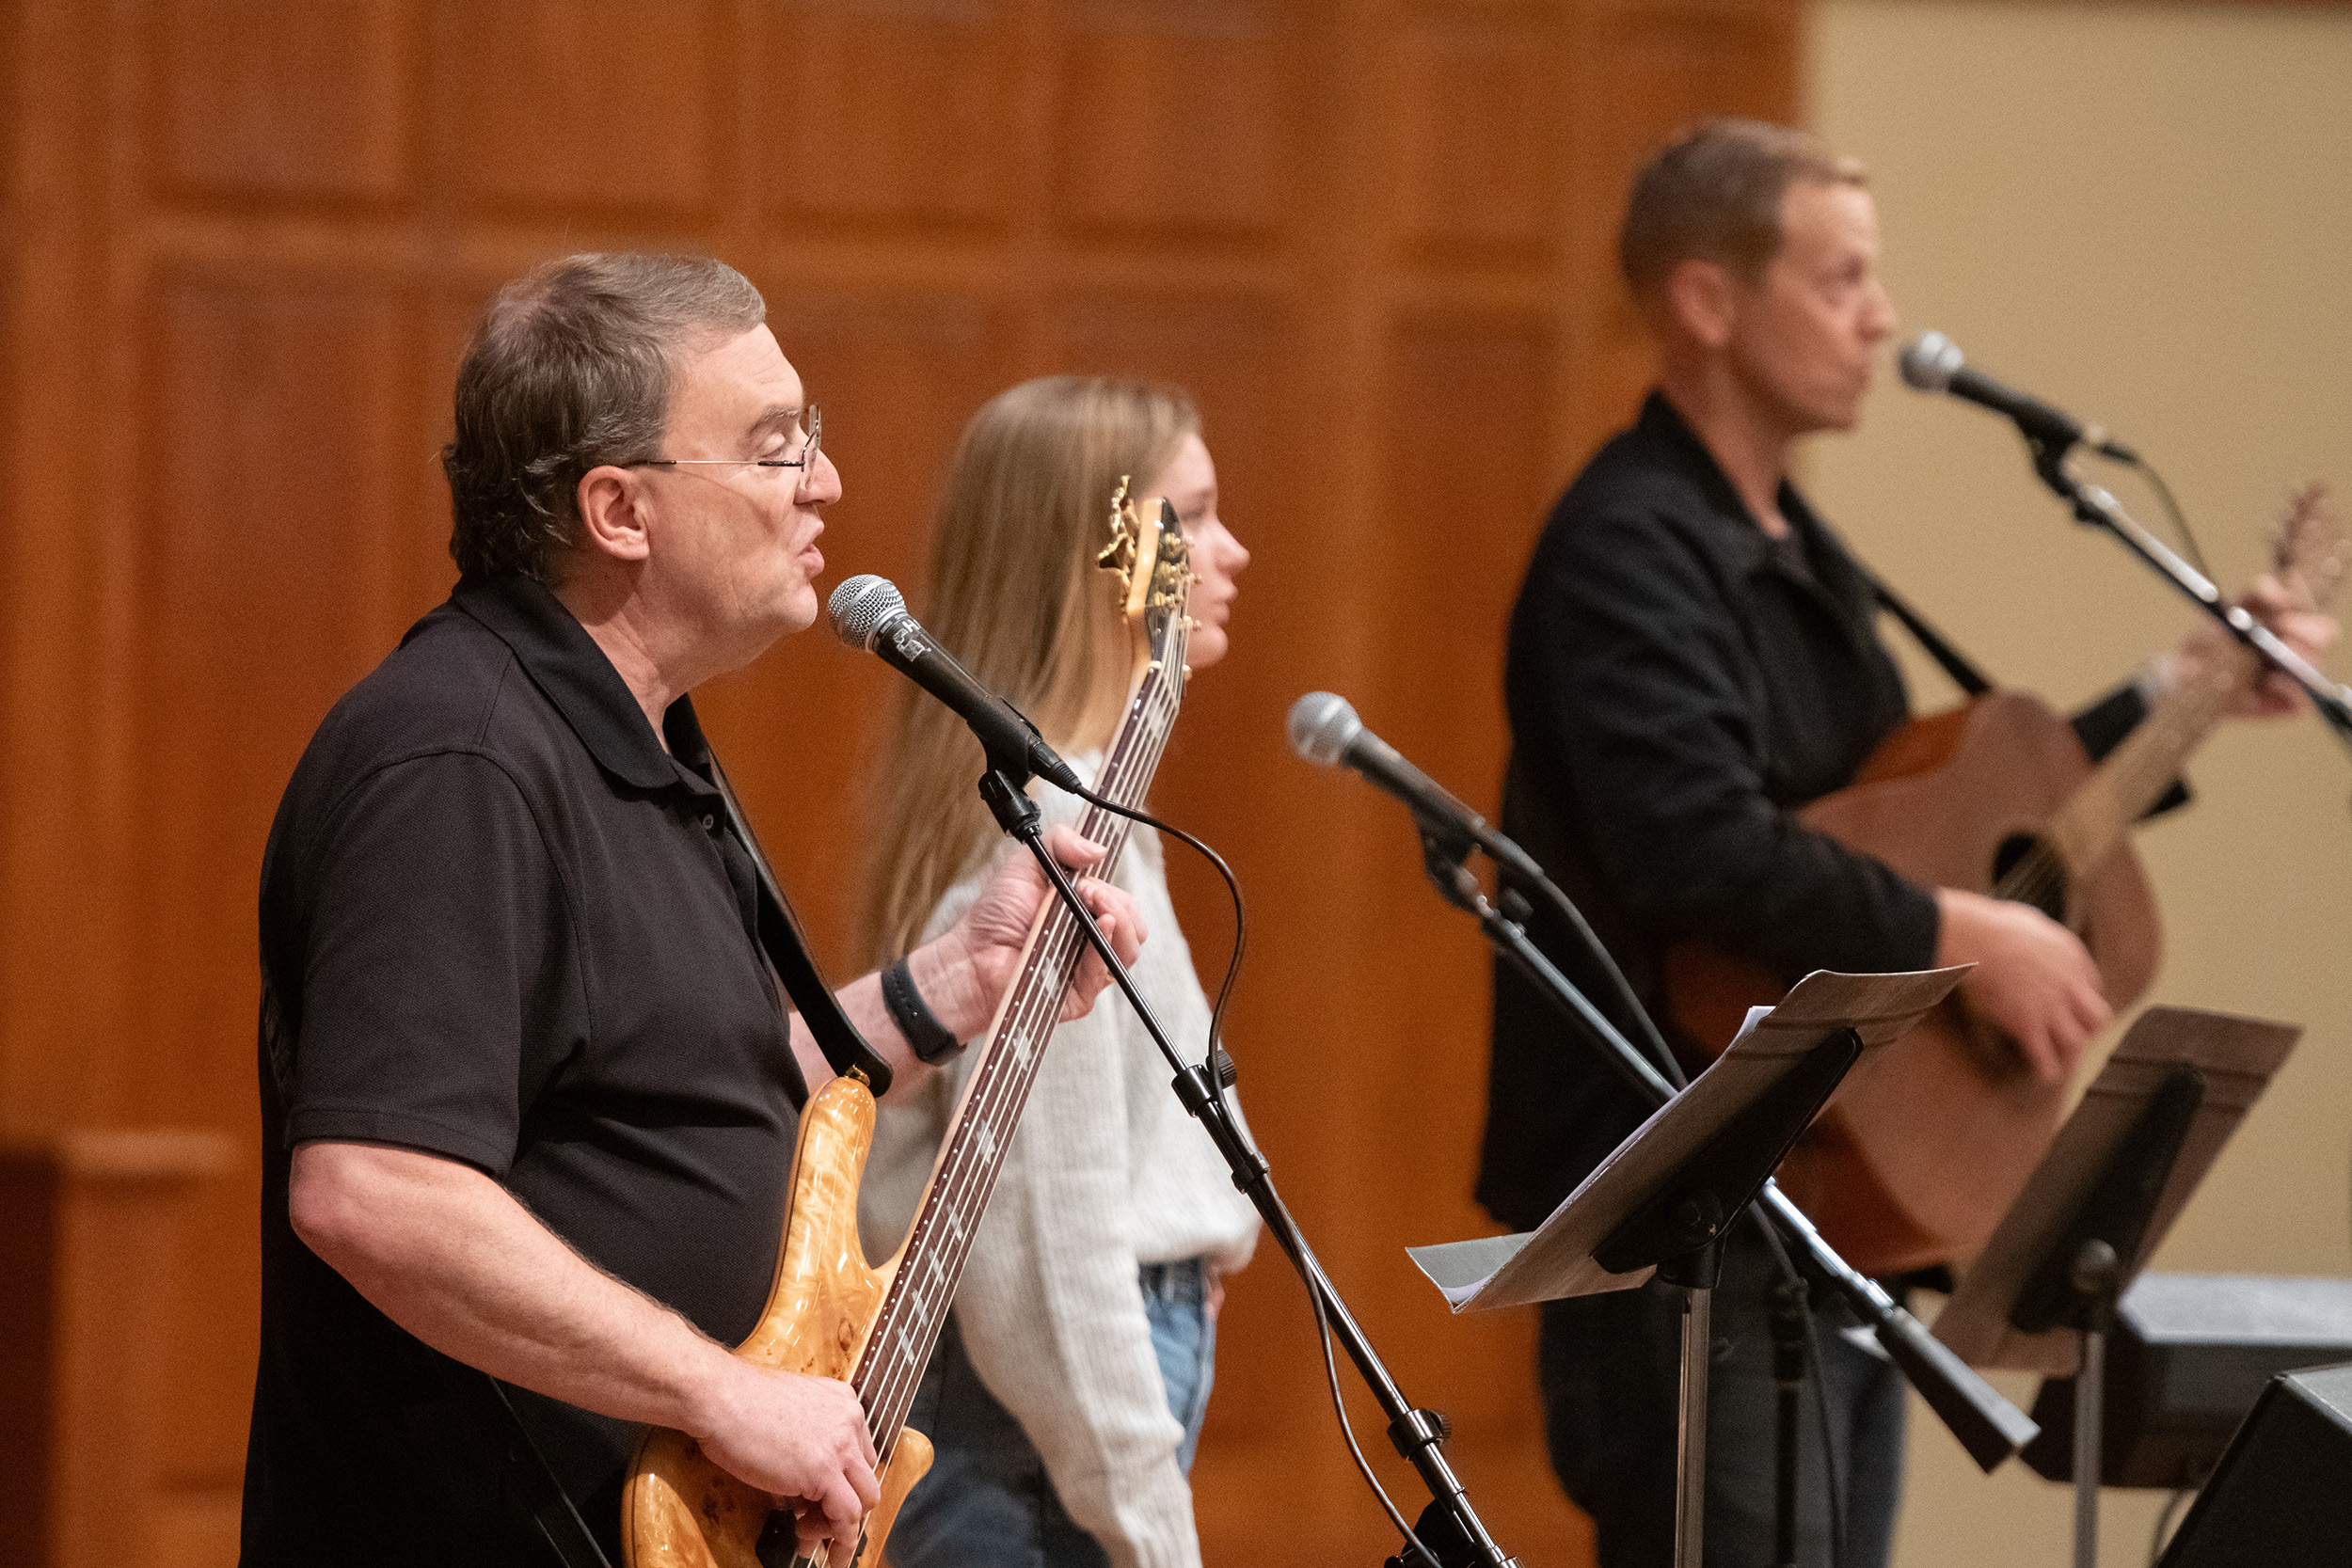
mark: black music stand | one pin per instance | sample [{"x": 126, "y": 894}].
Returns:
[
  {"x": 1662, "y": 1200},
  {"x": 2042, "y": 1294}
]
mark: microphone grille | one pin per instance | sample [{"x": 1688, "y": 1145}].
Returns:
[
  {"x": 860, "y": 605},
  {"x": 1929, "y": 362},
  {"x": 1321, "y": 725}
]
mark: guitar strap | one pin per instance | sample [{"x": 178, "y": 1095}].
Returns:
[
  {"x": 1938, "y": 647},
  {"x": 481, "y": 1439},
  {"x": 780, "y": 933}
]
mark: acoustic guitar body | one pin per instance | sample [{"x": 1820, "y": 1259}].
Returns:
[
  {"x": 679, "y": 1509},
  {"x": 1929, "y": 1140}
]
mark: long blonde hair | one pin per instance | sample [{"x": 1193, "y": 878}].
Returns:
[{"x": 1016, "y": 596}]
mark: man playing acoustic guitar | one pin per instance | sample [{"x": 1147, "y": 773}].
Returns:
[
  {"x": 529, "y": 1087},
  {"x": 1692, "y": 658}
]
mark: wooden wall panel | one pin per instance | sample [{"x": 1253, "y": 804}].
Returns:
[
  {"x": 543, "y": 113},
  {"x": 1482, "y": 133},
  {"x": 247, "y": 243},
  {"x": 286, "y": 97},
  {"x": 837, "y": 139},
  {"x": 275, "y": 409},
  {"x": 1174, "y": 116}
]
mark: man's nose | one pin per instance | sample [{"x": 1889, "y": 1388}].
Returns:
[{"x": 1880, "y": 319}]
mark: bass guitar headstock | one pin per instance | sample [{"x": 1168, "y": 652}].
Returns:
[{"x": 1152, "y": 560}]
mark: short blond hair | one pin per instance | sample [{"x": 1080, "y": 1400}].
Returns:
[{"x": 1713, "y": 194}]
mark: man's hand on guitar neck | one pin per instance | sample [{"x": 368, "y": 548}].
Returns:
[
  {"x": 2308, "y": 631},
  {"x": 962, "y": 974},
  {"x": 2034, "y": 979}
]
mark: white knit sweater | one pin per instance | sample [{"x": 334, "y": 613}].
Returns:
[{"x": 1106, "y": 1172}]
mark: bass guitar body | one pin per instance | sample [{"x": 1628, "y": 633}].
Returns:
[
  {"x": 679, "y": 1509},
  {"x": 1929, "y": 1140}
]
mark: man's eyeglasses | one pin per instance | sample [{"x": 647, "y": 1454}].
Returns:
[{"x": 805, "y": 459}]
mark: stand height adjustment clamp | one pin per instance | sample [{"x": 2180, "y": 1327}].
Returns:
[{"x": 1419, "y": 1429}]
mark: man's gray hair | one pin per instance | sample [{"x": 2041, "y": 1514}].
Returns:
[{"x": 570, "y": 369}]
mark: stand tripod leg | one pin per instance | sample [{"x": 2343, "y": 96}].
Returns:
[
  {"x": 1691, "y": 1426},
  {"x": 2089, "y": 1394},
  {"x": 1788, "y": 1345}
]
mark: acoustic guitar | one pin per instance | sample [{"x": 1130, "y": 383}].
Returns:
[
  {"x": 831, "y": 1313},
  {"x": 1928, "y": 1142}
]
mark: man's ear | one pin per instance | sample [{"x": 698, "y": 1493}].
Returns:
[
  {"x": 1701, "y": 303},
  {"x": 612, "y": 521}
]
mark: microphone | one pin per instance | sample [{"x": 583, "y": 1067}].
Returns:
[
  {"x": 1932, "y": 363},
  {"x": 869, "y": 612},
  {"x": 1325, "y": 730}
]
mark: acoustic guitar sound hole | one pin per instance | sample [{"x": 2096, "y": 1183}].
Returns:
[{"x": 2026, "y": 871}]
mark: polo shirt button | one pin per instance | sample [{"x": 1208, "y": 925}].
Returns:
[{"x": 709, "y": 823}]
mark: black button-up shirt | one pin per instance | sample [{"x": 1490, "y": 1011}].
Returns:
[
  {"x": 502, "y": 925},
  {"x": 1679, "y": 683}
]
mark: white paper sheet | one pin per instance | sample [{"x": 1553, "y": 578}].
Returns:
[{"x": 1556, "y": 1259}]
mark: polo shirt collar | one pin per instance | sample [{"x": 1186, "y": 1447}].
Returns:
[{"x": 565, "y": 664}]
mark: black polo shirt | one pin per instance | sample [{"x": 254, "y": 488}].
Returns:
[
  {"x": 1678, "y": 685},
  {"x": 501, "y": 925}
]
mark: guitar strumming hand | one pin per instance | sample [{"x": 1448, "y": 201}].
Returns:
[{"x": 2034, "y": 978}]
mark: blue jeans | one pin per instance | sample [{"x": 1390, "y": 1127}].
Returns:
[
  {"x": 1608, "y": 1364},
  {"x": 988, "y": 1502}
]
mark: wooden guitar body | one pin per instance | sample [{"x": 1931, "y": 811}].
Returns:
[
  {"x": 679, "y": 1509},
  {"x": 1920, "y": 1152},
  {"x": 1925, "y": 1145}
]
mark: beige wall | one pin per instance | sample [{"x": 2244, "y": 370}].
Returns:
[{"x": 2143, "y": 213}]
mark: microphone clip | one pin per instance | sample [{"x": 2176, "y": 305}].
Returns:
[{"x": 1445, "y": 854}]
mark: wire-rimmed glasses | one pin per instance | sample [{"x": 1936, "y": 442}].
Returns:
[{"x": 804, "y": 460}]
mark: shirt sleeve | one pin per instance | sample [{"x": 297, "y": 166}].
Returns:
[
  {"x": 435, "y": 926},
  {"x": 1052, "y": 1312},
  {"x": 1635, "y": 689}
]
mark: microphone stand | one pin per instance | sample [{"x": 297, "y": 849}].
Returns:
[
  {"x": 1988, "y": 1426},
  {"x": 2097, "y": 508},
  {"x": 1419, "y": 1434}
]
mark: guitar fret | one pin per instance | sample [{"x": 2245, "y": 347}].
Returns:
[{"x": 913, "y": 1309}]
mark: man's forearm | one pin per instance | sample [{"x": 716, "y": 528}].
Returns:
[
  {"x": 449, "y": 1256},
  {"x": 949, "y": 986}
]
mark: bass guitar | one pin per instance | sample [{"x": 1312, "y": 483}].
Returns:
[
  {"x": 1927, "y": 1141},
  {"x": 831, "y": 1313}
]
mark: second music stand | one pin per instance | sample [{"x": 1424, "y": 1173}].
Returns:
[{"x": 2042, "y": 1294}]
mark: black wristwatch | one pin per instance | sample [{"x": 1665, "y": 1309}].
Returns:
[{"x": 929, "y": 1039}]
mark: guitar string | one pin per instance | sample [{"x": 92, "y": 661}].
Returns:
[
  {"x": 924, "y": 1303},
  {"x": 1002, "y": 1087},
  {"x": 968, "y": 1177},
  {"x": 2042, "y": 873},
  {"x": 920, "y": 1312},
  {"x": 2147, "y": 759}
]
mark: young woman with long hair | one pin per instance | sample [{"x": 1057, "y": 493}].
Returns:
[{"x": 1069, "y": 1387}]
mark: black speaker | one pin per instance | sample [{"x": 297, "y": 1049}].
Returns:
[
  {"x": 2282, "y": 1497},
  {"x": 2189, "y": 1356}
]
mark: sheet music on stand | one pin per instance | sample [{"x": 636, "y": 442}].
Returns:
[
  {"x": 1556, "y": 1259},
  {"x": 2235, "y": 1056}
]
